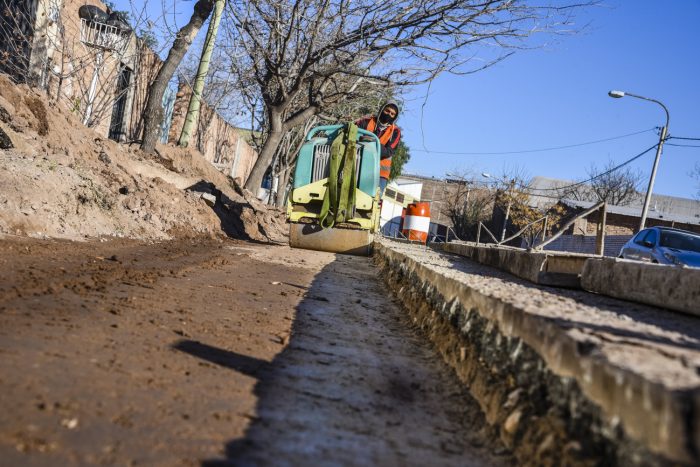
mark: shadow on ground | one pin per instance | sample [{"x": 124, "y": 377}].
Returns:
[
  {"x": 231, "y": 213},
  {"x": 354, "y": 386},
  {"x": 241, "y": 363}
]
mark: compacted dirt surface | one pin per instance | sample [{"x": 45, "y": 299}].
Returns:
[{"x": 190, "y": 352}]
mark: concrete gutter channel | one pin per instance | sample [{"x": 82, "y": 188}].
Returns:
[{"x": 568, "y": 377}]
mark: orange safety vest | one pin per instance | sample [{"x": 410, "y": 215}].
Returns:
[{"x": 384, "y": 164}]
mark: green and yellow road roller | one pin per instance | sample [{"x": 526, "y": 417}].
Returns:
[{"x": 334, "y": 202}]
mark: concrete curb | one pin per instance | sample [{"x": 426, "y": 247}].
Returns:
[
  {"x": 544, "y": 268},
  {"x": 675, "y": 288},
  {"x": 612, "y": 408}
]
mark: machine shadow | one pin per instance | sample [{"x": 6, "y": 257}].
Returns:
[
  {"x": 289, "y": 390},
  {"x": 331, "y": 397}
]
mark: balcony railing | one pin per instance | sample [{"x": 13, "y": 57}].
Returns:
[{"x": 103, "y": 36}]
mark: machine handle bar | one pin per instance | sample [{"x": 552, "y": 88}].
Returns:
[{"x": 331, "y": 128}]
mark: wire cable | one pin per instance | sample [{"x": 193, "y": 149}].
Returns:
[
  {"x": 681, "y": 137},
  {"x": 526, "y": 151},
  {"x": 683, "y": 145},
  {"x": 573, "y": 185}
]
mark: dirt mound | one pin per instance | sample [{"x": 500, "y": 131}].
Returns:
[{"x": 60, "y": 179}]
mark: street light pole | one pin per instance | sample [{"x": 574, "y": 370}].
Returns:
[{"x": 659, "y": 148}]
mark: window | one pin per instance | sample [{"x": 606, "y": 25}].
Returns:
[
  {"x": 116, "y": 127},
  {"x": 639, "y": 239},
  {"x": 680, "y": 240},
  {"x": 399, "y": 198},
  {"x": 651, "y": 237}
]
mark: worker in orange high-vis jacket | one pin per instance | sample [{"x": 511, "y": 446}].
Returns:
[{"x": 384, "y": 126}]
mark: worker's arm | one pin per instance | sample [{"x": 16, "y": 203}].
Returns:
[
  {"x": 389, "y": 148},
  {"x": 362, "y": 122}
]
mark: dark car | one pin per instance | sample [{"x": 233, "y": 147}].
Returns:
[{"x": 664, "y": 245}]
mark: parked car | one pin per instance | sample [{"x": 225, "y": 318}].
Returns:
[{"x": 664, "y": 245}]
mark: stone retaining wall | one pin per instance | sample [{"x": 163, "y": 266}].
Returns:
[{"x": 554, "y": 395}]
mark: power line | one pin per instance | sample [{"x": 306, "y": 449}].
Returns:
[
  {"x": 525, "y": 151},
  {"x": 681, "y": 137},
  {"x": 618, "y": 167},
  {"x": 684, "y": 145}
]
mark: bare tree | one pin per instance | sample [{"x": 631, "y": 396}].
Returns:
[
  {"x": 467, "y": 204},
  {"x": 192, "y": 116},
  {"x": 220, "y": 96},
  {"x": 617, "y": 187},
  {"x": 516, "y": 209},
  {"x": 695, "y": 175},
  {"x": 302, "y": 55},
  {"x": 16, "y": 37}
]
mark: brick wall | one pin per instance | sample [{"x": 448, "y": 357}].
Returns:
[
  {"x": 68, "y": 65},
  {"x": 617, "y": 224}
]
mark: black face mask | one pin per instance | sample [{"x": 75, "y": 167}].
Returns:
[{"x": 384, "y": 118}]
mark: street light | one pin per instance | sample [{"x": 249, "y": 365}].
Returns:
[{"x": 662, "y": 138}]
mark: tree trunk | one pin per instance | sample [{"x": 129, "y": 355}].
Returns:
[
  {"x": 274, "y": 138},
  {"x": 267, "y": 153},
  {"x": 202, "y": 70},
  {"x": 153, "y": 114},
  {"x": 282, "y": 187}
]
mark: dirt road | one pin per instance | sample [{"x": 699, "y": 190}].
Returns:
[{"x": 187, "y": 353}]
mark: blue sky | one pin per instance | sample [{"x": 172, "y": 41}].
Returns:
[{"x": 557, "y": 96}]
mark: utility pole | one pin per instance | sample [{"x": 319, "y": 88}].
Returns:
[{"x": 202, "y": 70}]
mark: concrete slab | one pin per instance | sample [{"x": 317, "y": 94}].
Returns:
[
  {"x": 622, "y": 379},
  {"x": 672, "y": 287},
  {"x": 544, "y": 268}
]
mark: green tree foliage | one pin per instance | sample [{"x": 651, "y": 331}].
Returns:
[
  {"x": 401, "y": 156},
  {"x": 124, "y": 15},
  {"x": 148, "y": 37}
]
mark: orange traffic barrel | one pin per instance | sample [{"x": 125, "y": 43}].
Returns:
[{"x": 417, "y": 222}]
